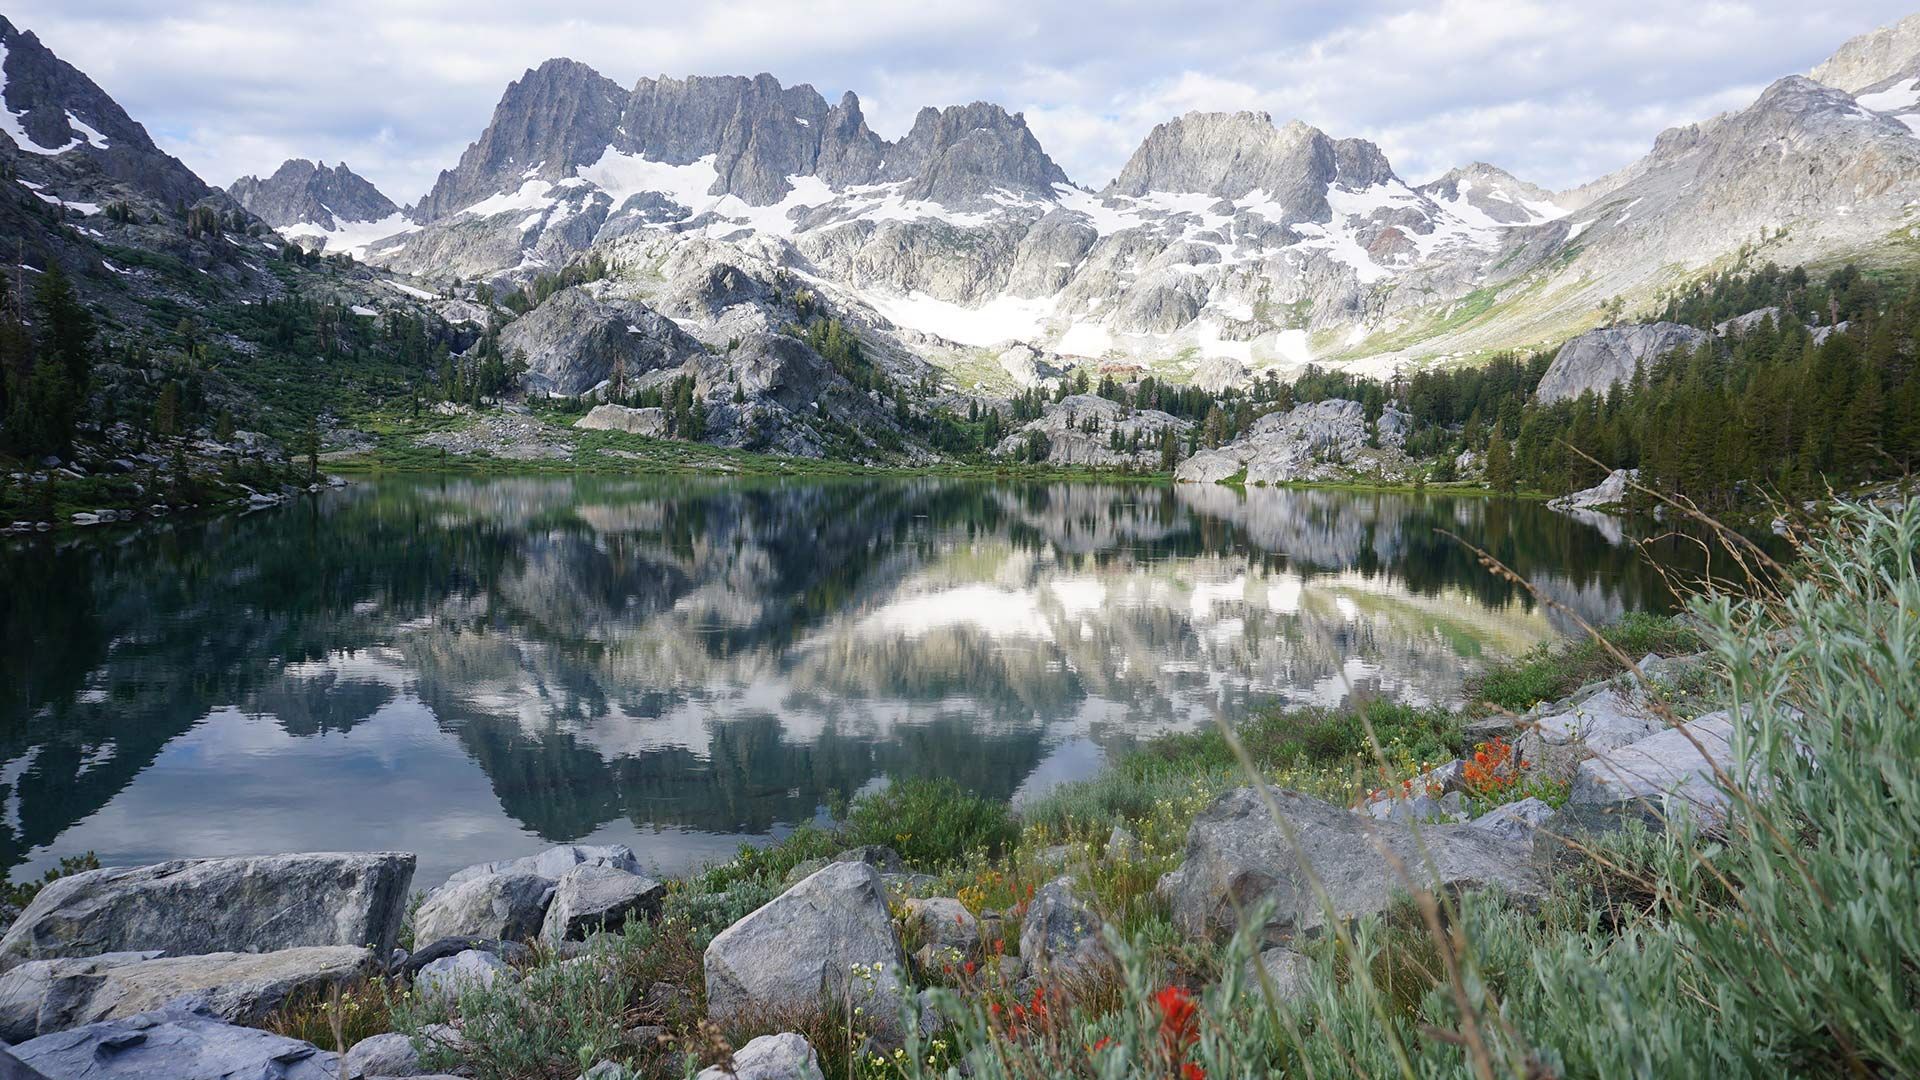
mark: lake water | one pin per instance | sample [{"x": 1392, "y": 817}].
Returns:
[{"x": 474, "y": 669}]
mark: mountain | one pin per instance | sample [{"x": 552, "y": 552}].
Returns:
[
  {"x": 72, "y": 139},
  {"x": 330, "y": 209},
  {"x": 1226, "y": 243}
]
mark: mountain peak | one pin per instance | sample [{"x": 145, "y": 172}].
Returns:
[
  {"x": 1234, "y": 154},
  {"x": 301, "y": 192},
  {"x": 1873, "y": 57},
  {"x": 962, "y": 154},
  {"x": 1502, "y": 197},
  {"x": 555, "y": 116}
]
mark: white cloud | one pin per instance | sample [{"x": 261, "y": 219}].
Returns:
[{"x": 1557, "y": 93}]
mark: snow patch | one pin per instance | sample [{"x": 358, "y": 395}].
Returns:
[
  {"x": 351, "y": 237},
  {"x": 1893, "y": 98},
  {"x": 1006, "y": 318}
]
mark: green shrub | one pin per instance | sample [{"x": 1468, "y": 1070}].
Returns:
[
  {"x": 1556, "y": 669},
  {"x": 930, "y": 822}
]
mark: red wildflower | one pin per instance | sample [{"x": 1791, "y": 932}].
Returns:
[
  {"x": 1179, "y": 1021},
  {"x": 1190, "y": 1071}
]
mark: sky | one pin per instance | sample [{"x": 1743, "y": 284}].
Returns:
[{"x": 1557, "y": 93}]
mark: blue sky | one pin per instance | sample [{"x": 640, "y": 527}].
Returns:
[{"x": 1557, "y": 93}]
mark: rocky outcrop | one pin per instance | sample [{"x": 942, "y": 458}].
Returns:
[
  {"x": 507, "y": 906},
  {"x": 1081, "y": 427},
  {"x": 574, "y": 341},
  {"x": 650, "y": 421},
  {"x": 798, "y": 954},
  {"x": 1597, "y": 359},
  {"x": 1080, "y": 430},
  {"x": 1606, "y": 494},
  {"x": 1308, "y": 442},
  {"x": 261, "y": 904},
  {"x": 1237, "y": 857},
  {"x": 53, "y": 995},
  {"x": 179, "y": 1044},
  {"x": 594, "y": 898}
]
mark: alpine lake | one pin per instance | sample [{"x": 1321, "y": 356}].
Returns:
[{"x": 476, "y": 669}]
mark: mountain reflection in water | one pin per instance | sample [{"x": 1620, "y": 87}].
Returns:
[{"x": 475, "y": 668}]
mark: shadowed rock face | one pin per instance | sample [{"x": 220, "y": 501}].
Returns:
[{"x": 300, "y": 191}]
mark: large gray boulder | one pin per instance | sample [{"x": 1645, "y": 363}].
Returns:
[
  {"x": 43, "y": 996},
  {"x": 1237, "y": 857},
  {"x": 1060, "y": 938},
  {"x": 797, "y": 954},
  {"x": 451, "y": 976},
  {"x": 555, "y": 861},
  {"x": 785, "y": 1056},
  {"x": 1673, "y": 767},
  {"x": 946, "y": 923},
  {"x": 178, "y": 1044},
  {"x": 507, "y": 907},
  {"x": 649, "y": 421},
  {"x": 1599, "y": 358},
  {"x": 188, "y": 906},
  {"x": 389, "y": 1054},
  {"x": 590, "y": 898}
]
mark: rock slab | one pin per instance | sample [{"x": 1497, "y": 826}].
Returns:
[
  {"x": 254, "y": 904},
  {"x": 44, "y": 996},
  {"x": 178, "y": 1044}
]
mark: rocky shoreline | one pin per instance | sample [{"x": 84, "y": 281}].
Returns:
[{"x": 178, "y": 969}]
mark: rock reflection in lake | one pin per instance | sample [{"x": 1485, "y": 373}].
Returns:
[{"x": 475, "y": 668}]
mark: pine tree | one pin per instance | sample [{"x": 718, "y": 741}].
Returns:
[{"x": 1500, "y": 466}]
